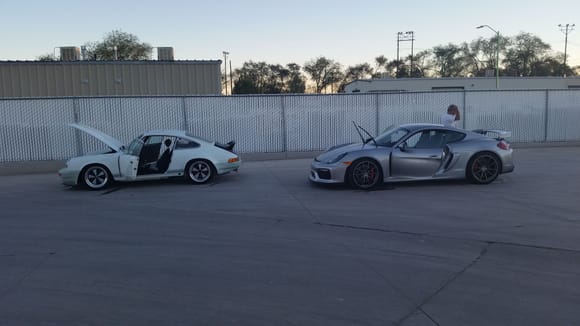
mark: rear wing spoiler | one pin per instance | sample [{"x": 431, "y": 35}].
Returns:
[
  {"x": 494, "y": 133},
  {"x": 228, "y": 146}
]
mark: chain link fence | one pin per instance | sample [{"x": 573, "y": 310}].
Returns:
[{"x": 36, "y": 129}]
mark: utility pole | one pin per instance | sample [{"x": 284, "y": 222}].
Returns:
[
  {"x": 403, "y": 37},
  {"x": 566, "y": 29},
  {"x": 496, "y": 53},
  {"x": 231, "y": 79},
  {"x": 225, "y": 53}
]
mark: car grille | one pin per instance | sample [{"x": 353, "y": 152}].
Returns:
[{"x": 323, "y": 174}]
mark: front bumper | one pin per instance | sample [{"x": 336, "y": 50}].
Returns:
[
  {"x": 69, "y": 177},
  {"x": 327, "y": 173}
]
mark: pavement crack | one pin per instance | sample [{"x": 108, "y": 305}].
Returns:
[
  {"x": 26, "y": 275},
  {"x": 364, "y": 228},
  {"x": 434, "y": 236},
  {"x": 399, "y": 291},
  {"x": 110, "y": 191},
  {"x": 452, "y": 279}
]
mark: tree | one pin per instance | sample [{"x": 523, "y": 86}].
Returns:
[
  {"x": 46, "y": 57},
  {"x": 420, "y": 64},
  {"x": 251, "y": 78},
  {"x": 448, "y": 60},
  {"x": 120, "y": 46},
  {"x": 323, "y": 72},
  {"x": 397, "y": 68},
  {"x": 380, "y": 70},
  {"x": 263, "y": 78},
  {"x": 276, "y": 79},
  {"x": 524, "y": 54},
  {"x": 296, "y": 83},
  {"x": 352, "y": 73},
  {"x": 480, "y": 54}
]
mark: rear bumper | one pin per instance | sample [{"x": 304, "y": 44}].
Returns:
[
  {"x": 507, "y": 168},
  {"x": 224, "y": 168},
  {"x": 507, "y": 162}
]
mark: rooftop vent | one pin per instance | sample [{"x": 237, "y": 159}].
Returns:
[
  {"x": 70, "y": 53},
  {"x": 165, "y": 53}
]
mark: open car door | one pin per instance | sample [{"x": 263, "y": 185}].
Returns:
[
  {"x": 129, "y": 160},
  {"x": 419, "y": 156},
  {"x": 128, "y": 166}
]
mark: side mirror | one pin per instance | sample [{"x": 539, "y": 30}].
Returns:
[{"x": 403, "y": 146}]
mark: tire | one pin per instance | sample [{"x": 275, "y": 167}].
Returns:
[
  {"x": 199, "y": 171},
  {"x": 364, "y": 174},
  {"x": 95, "y": 177},
  {"x": 483, "y": 168}
]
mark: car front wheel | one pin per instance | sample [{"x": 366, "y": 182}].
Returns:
[
  {"x": 483, "y": 168},
  {"x": 364, "y": 174},
  {"x": 96, "y": 177},
  {"x": 199, "y": 171}
]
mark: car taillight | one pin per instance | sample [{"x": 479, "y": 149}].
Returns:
[{"x": 503, "y": 145}]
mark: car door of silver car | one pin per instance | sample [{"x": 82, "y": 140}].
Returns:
[{"x": 419, "y": 156}]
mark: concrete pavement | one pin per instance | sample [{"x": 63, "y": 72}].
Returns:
[{"x": 264, "y": 246}]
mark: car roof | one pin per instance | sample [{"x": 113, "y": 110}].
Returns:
[
  {"x": 175, "y": 133},
  {"x": 413, "y": 127},
  {"x": 417, "y": 126},
  {"x": 165, "y": 132}
]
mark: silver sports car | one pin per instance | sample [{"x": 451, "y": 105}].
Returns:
[
  {"x": 153, "y": 155},
  {"x": 416, "y": 152}
]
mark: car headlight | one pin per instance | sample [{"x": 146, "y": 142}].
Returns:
[{"x": 336, "y": 159}]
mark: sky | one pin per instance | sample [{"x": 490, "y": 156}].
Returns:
[{"x": 280, "y": 32}]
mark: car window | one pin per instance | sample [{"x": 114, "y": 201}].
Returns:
[
  {"x": 431, "y": 138},
  {"x": 154, "y": 140},
  {"x": 453, "y": 136},
  {"x": 135, "y": 147},
  {"x": 414, "y": 139},
  {"x": 391, "y": 137},
  {"x": 183, "y": 143}
]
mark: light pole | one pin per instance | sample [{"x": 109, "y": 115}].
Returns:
[
  {"x": 496, "y": 54},
  {"x": 225, "y": 53}
]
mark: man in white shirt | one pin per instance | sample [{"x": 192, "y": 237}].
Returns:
[{"x": 450, "y": 118}]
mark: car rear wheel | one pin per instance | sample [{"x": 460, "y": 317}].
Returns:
[
  {"x": 199, "y": 171},
  {"x": 96, "y": 177},
  {"x": 364, "y": 174},
  {"x": 483, "y": 168}
]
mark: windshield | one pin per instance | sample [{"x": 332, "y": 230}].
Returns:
[
  {"x": 135, "y": 147},
  {"x": 391, "y": 136}
]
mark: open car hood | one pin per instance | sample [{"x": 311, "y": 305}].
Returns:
[{"x": 114, "y": 143}]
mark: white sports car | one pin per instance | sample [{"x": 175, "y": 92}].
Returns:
[{"x": 153, "y": 155}]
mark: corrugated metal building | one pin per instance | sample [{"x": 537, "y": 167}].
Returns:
[
  {"x": 455, "y": 84},
  {"x": 105, "y": 78}
]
